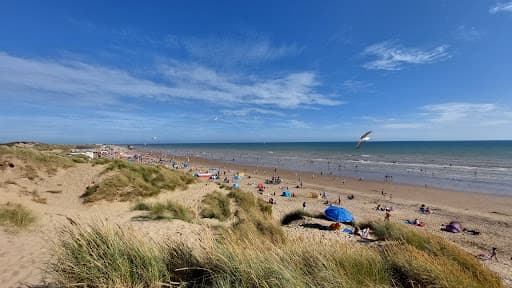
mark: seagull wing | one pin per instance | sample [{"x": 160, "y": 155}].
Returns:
[
  {"x": 359, "y": 143},
  {"x": 365, "y": 134}
]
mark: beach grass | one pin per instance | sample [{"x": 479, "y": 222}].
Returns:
[
  {"x": 438, "y": 254},
  {"x": 128, "y": 181},
  {"x": 296, "y": 215},
  {"x": 216, "y": 205},
  {"x": 99, "y": 255},
  {"x": 36, "y": 160},
  {"x": 164, "y": 211},
  {"x": 254, "y": 217},
  {"x": 13, "y": 215}
]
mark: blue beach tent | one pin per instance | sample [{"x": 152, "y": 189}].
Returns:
[
  {"x": 338, "y": 214},
  {"x": 286, "y": 193},
  {"x": 236, "y": 185}
]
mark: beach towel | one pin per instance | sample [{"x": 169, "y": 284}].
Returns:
[{"x": 347, "y": 230}]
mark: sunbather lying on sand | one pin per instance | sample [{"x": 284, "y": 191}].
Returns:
[{"x": 415, "y": 222}]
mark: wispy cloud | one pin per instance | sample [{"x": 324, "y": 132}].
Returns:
[
  {"x": 298, "y": 124},
  {"x": 65, "y": 81},
  {"x": 501, "y": 7},
  {"x": 441, "y": 118},
  {"x": 251, "y": 111},
  {"x": 403, "y": 125},
  {"x": 288, "y": 91},
  {"x": 468, "y": 34},
  {"x": 391, "y": 56},
  {"x": 356, "y": 86},
  {"x": 237, "y": 50},
  {"x": 449, "y": 112}
]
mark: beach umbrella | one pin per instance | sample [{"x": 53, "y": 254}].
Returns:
[
  {"x": 236, "y": 185},
  {"x": 260, "y": 186},
  {"x": 363, "y": 139},
  {"x": 338, "y": 214}
]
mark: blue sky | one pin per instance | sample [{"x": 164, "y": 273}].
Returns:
[{"x": 253, "y": 71}]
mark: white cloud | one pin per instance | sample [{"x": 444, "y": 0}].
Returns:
[
  {"x": 501, "y": 7},
  {"x": 449, "y": 112},
  {"x": 404, "y": 125},
  {"x": 289, "y": 91},
  {"x": 298, "y": 124},
  {"x": 240, "y": 50},
  {"x": 390, "y": 56},
  {"x": 85, "y": 84},
  {"x": 468, "y": 34},
  {"x": 250, "y": 111},
  {"x": 356, "y": 86}
]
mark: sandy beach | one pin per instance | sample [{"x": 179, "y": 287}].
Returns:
[{"x": 24, "y": 253}]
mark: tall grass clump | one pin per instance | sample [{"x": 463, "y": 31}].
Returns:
[
  {"x": 419, "y": 254},
  {"x": 254, "y": 217},
  {"x": 134, "y": 180},
  {"x": 295, "y": 215},
  {"x": 164, "y": 211},
  {"x": 13, "y": 215},
  {"x": 100, "y": 255},
  {"x": 216, "y": 205}
]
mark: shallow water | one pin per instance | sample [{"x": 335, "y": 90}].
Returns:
[{"x": 474, "y": 166}]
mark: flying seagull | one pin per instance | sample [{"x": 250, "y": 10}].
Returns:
[{"x": 363, "y": 139}]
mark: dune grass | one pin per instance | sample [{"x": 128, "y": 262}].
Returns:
[
  {"x": 106, "y": 256},
  {"x": 216, "y": 205},
  {"x": 438, "y": 253},
  {"x": 134, "y": 180},
  {"x": 35, "y": 160},
  {"x": 14, "y": 215},
  {"x": 254, "y": 217},
  {"x": 164, "y": 211},
  {"x": 103, "y": 256},
  {"x": 298, "y": 214}
]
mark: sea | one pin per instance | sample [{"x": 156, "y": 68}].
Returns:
[{"x": 471, "y": 166}]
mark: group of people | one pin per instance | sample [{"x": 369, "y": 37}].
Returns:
[{"x": 424, "y": 209}]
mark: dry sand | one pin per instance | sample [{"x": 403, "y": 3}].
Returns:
[{"x": 23, "y": 254}]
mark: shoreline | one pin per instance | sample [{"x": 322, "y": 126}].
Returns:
[
  {"x": 477, "y": 200},
  {"x": 449, "y": 167}
]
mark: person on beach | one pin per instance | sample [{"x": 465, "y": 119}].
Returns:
[
  {"x": 339, "y": 200},
  {"x": 304, "y": 205},
  {"x": 387, "y": 217},
  {"x": 493, "y": 254}
]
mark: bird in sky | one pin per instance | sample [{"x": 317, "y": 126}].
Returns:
[{"x": 363, "y": 139}]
